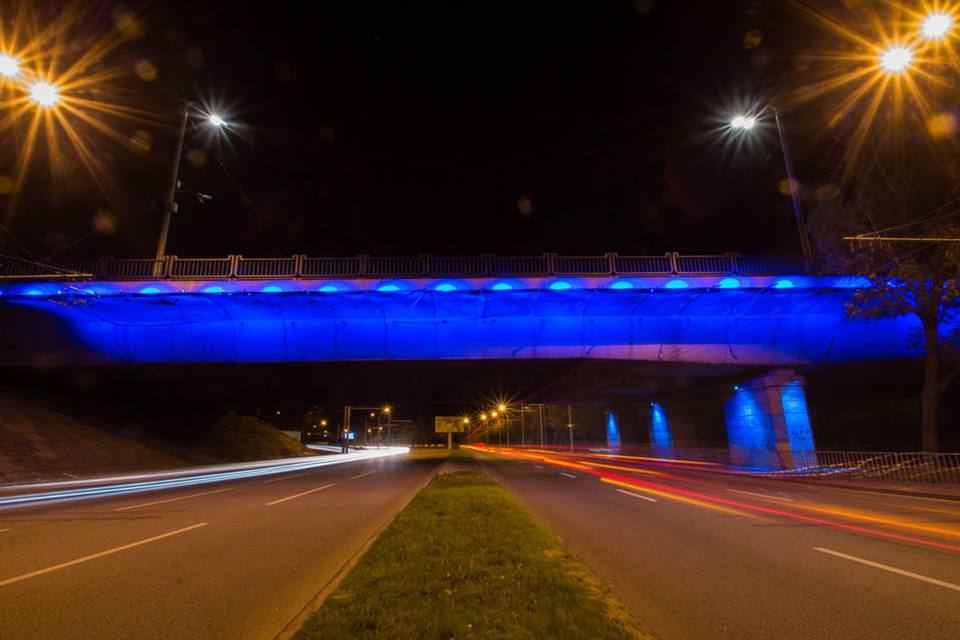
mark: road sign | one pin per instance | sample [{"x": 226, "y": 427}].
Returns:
[{"x": 448, "y": 424}]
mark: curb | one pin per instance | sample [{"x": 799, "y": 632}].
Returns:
[
  {"x": 312, "y": 605},
  {"x": 885, "y": 490}
]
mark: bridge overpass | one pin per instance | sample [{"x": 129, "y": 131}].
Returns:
[{"x": 709, "y": 312}]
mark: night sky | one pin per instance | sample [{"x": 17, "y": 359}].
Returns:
[{"x": 448, "y": 128}]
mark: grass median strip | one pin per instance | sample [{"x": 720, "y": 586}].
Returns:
[{"x": 465, "y": 559}]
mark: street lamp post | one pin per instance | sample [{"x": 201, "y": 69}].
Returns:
[
  {"x": 794, "y": 188},
  {"x": 748, "y": 122},
  {"x": 170, "y": 206}
]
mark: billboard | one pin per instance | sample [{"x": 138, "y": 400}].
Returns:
[{"x": 448, "y": 424}]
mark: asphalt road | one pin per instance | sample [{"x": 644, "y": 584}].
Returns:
[
  {"x": 235, "y": 559},
  {"x": 702, "y": 554}
]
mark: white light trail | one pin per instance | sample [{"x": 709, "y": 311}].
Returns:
[{"x": 222, "y": 473}]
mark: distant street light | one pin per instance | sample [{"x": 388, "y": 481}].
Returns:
[
  {"x": 896, "y": 58},
  {"x": 44, "y": 94},
  {"x": 171, "y": 204},
  {"x": 9, "y": 66},
  {"x": 746, "y": 122},
  {"x": 936, "y": 25}
]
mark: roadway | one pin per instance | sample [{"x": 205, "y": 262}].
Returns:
[
  {"x": 696, "y": 552},
  {"x": 235, "y": 558}
]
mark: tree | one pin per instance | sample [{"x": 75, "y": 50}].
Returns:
[{"x": 907, "y": 277}]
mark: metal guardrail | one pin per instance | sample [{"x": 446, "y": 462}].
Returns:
[
  {"x": 300, "y": 266},
  {"x": 907, "y": 468}
]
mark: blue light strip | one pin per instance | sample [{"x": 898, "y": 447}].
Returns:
[{"x": 294, "y": 286}]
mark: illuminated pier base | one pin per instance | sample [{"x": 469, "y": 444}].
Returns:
[{"x": 767, "y": 420}]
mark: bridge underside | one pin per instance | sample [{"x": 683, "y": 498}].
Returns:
[
  {"x": 745, "y": 348},
  {"x": 742, "y": 327}
]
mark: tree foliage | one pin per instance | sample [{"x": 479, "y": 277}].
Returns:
[{"x": 915, "y": 273}]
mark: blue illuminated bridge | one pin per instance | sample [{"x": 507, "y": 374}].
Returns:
[{"x": 767, "y": 312}]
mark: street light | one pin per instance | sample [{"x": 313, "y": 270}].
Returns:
[
  {"x": 171, "y": 205},
  {"x": 896, "y": 58},
  {"x": 746, "y": 122},
  {"x": 936, "y": 25},
  {"x": 9, "y": 66},
  {"x": 44, "y": 94},
  {"x": 743, "y": 123}
]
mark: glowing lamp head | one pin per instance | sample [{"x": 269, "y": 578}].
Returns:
[
  {"x": 896, "y": 59},
  {"x": 743, "y": 123},
  {"x": 9, "y": 66},
  {"x": 216, "y": 120},
  {"x": 502, "y": 408},
  {"x": 44, "y": 94},
  {"x": 936, "y": 25}
]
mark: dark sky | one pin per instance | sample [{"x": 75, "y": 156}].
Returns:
[{"x": 444, "y": 127}]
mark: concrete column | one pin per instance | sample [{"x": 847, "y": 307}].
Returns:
[
  {"x": 767, "y": 421},
  {"x": 672, "y": 424},
  {"x": 613, "y": 431}
]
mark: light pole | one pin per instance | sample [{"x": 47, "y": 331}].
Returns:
[
  {"x": 170, "y": 205},
  {"x": 746, "y": 122}
]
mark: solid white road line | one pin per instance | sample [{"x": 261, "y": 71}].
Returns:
[
  {"x": 192, "y": 495},
  {"x": 569, "y": 475},
  {"x": 303, "y": 493},
  {"x": 900, "y": 572},
  {"x": 94, "y": 556},
  {"x": 637, "y": 495},
  {"x": 363, "y": 474},
  {"x": 761, "y": 495},
  {"x": 538, "y": 466},
  {"x": 286, "y": 477}
]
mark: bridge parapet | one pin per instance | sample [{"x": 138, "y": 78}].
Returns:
[{"x": 425, "y": 265}]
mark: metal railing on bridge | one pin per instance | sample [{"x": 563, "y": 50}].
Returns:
[
  {"x": 363, "y": 266},
  {"x": 910, "y": 468}
]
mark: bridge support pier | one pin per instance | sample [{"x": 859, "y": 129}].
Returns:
[
  {"x": 672, "y": 424},
  {"x": 767, "y": 421}
]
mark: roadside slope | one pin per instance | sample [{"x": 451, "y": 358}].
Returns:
[{"x": 39, "y": 441}]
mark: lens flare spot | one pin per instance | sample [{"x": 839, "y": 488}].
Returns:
[
  {"x": 942, "y": 125},
  {"x": 146, "y": 70}
]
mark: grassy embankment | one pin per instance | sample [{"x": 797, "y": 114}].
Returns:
[{"x": 465, "y": 559}]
